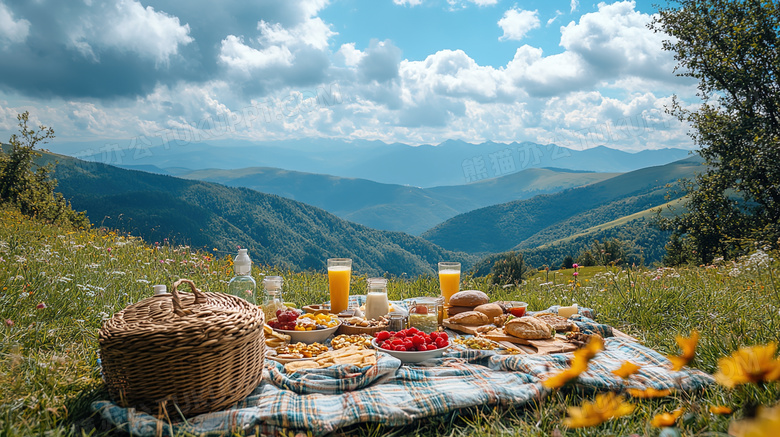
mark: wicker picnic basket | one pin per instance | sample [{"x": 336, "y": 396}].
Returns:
[{"x": 201, "y": 351}]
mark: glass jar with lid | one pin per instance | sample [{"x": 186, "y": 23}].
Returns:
[
  {"x": 425, "y": 313},
  {"x": 377, "y": 304},
  {"x": 272, "y": 299}
]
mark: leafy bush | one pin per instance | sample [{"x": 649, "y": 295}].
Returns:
[{"x": 509, "y": 269}]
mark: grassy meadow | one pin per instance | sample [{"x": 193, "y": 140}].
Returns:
[{"x": 59, "y": 284}]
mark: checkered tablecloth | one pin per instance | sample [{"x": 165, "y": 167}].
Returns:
[{"x": 324, "y": 400}]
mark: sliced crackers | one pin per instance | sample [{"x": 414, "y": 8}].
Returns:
[{"x": 349, "y": 355}]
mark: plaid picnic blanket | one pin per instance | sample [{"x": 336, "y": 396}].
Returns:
[{"x": 396, "y": 395}]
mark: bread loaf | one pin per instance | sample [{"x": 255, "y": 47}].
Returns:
[
  {"x": 469, "y": 298},
  {"x": 490, "y": 309},
  {"x": 529, "y": 328},
  {"x": 457, "y": 310},
  {"x": 470, "y": 318}
]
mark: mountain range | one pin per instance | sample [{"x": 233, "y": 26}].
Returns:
[
  {"x": 397, "y": 207},
  {"x": 451, "y": 162},
  {"x": 290, "y": 233},
  {"x": 277, "y": 231},
  {"x": 531, "y": 223}
]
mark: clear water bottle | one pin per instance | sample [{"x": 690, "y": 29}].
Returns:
[{"x": 243, "y": 284}]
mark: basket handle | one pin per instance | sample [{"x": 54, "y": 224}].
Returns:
[{"x": 199, "y": 296}]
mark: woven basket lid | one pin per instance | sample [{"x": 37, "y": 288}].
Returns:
[{"x": 181, "y": 321}]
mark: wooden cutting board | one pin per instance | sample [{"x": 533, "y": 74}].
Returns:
[{"x": 553, "y": 345}]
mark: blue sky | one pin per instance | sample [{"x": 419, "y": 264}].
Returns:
[{"x": 411, "y": 71}]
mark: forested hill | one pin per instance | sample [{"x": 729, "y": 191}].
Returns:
[
  {"x": 530, "y": 223},
  {"x": 276, "y": 230}
]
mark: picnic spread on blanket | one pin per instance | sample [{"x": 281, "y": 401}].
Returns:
[{"x": 209, "y": 362}]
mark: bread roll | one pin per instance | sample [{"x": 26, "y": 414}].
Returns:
[
  {"x": 469, "y": 298},
  {"x": 490, "y": 309},
  {"x": 470, "y": 318},
  {"x": 457, "y": 310},
  {"x": 529, "y": 328}
]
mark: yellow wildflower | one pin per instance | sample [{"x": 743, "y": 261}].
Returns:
[
  {"x": 765, "y": 424},
  {"x": 604, "y": 407},
  {"x": 688, "y": 346},
  {"x": 626, "y": 369},
  {"x": 666, "y": 419},
  {"x": 749, "y": 365},
  {"x": 648, "y": 393},
  {"x": 579, "y": 363},
  {"x": 721, "y": 409}
]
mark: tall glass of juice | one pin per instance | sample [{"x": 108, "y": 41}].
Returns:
[
  {"x": 449, "y": 279},
  {"x": 339, "y": 271}
]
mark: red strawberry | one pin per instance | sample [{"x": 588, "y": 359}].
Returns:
[
  {"x": 401, "y": 349},
  {"x": 431, "y": 347},
  {"x": 382, "y": 335}
]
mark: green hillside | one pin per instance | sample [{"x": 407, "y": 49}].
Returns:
[
  {"x": 276, "y": 230},
  {"x": 396, "y": 207},
  {"x": 537, "y": 221}
]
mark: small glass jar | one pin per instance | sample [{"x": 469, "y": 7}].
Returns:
[
  {"x": 425, "y": 313},
  {"x": 272, "y": 299},
  {"x": 397, "y": 321}
]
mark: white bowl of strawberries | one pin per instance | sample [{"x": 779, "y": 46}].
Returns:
[{"x": 412, "y": 345}]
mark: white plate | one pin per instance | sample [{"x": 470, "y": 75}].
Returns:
[
  {"x": 309, "y": 337},
  {"x": 412, "y": 356}
]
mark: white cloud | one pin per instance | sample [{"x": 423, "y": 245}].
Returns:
[
  {"x": 516, "y": 23},
  {"x": 484, "y": 2},
  {"x": 615, "y": 41},
  {"x": 127, "y": 25},
  {"x": 380, "y": 61},
  {"x": 237, "y": 55},
  {"x": 350, "y": 54},
  {"x": 408, "y": 2},
  {"x": 551, "y": 20},
  {"x": 574, "y": 5},
  {"x": 312, "y": 32},
  {"x": 11, "y": 30},
  {"x": 452, "y": 73}
]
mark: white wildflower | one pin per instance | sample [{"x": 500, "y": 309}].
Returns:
[
  {"x": 118, "y": 272},
  {"x": 142, "y": 281},
  {"x": 17, "y": 278},
  {"x": 103, "y": 315}
]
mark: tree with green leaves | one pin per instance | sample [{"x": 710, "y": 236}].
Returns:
[
  {"x": 510, "y": 268},
  {"x": 28, "y": 186},
  {"x": 732, "y": 48}
]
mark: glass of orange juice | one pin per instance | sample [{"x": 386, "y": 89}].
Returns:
[
  {"x": 339, "y": 271},
  {"x": 449, "y": 279}
]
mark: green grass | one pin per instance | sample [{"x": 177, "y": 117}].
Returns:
[{"x": 48, "y": 357}]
